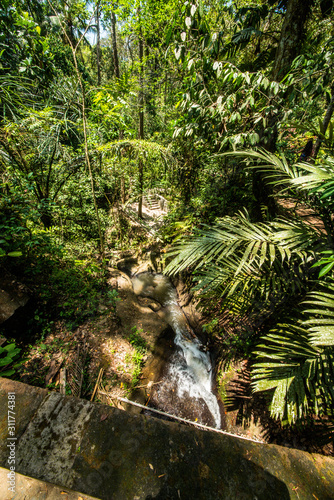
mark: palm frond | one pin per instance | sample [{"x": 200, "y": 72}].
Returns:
[
  {"x": 229, "y": 236},
  {"x": 297, "y": 237},
  {"x": 15, "y": 94},
  {"x": 314, "y": 175},
  {"x": 321, "y": 324},
  {"x": 300, "y": 373},
  {"x": 246, "y": 262},
  {"x": 302, "y": 176},
  {"x": 276, "y": 169},
  {"x": 248, "y": 243}
]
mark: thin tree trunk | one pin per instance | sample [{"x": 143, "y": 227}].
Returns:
[
  {"x": 122, "y": 190},
  {"x": 291, "y": 37},
  {"x": 141, "y": 120},
  {"x": 114, "y": 44},
  {"x": 131, "y": 54},
  {"x": 84, "y": 119},
  {"x": 117, "y": 74},
  {"x": 98, "y": 44}
]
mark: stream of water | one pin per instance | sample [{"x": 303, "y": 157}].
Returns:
[{"x": 186, "y": 386}]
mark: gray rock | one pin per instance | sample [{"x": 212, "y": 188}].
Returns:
[{"x": 13, "y": 295}]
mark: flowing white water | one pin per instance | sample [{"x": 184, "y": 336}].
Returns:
[{"x": 190, "y": 369}]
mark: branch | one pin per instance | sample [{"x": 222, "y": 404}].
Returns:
[{"x": 64, "y": 30}]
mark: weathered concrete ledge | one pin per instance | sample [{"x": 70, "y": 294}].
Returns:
[
  {"x": 113, "y": 455},
  {"x": 34, "y": 489}
]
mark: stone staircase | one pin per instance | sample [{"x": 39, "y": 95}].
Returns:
[
  {"x": 155, "y": 201},
  {"x": 151, "y": 201}
]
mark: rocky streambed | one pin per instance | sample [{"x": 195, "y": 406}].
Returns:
[{"x": 181, "y": 382}]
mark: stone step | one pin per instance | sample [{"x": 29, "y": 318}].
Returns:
[{"x": 151, "y": 202}]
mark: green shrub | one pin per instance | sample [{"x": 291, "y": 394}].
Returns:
[
  {"x": 9, "y": 362},
  {"x": 137, "y": 340}
]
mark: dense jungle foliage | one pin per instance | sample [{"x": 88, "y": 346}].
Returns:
[{"x": 223, "y": 107}]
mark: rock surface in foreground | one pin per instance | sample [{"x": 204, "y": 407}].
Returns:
[{"x": 110, "y": 454}]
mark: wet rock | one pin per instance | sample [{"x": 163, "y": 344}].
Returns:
[
  {"x": 148, "y": 261},
  {"x": 127, "y": 265},
  {"x": 153, "y": 305},
  {"x": 183, "y": 388},
  {"x": 13, "y": 296},
  {"x": 139, "y": 312},
  {"x": 188, "y": 303},
  {"x": 162, "y": 351}
]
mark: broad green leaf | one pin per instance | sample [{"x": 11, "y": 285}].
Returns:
[{"x": 17, "y": 253}]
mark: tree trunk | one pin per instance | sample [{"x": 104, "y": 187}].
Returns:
[
  {"x": 98, "y": 45},
  {"x": 84, "y": 119},
  {"x": 47, "y": 219},
  {"x": 114, "y": 44},
  {"x": 122, "y": 190},
  {"x": 141, "y": 120},
  {"x": 292, "y": 35},
  {"x": 325, "y": 123},
  {"x": 117, "y": 74}
]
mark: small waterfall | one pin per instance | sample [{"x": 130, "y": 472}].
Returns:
[{"x": 189, "y": 372}]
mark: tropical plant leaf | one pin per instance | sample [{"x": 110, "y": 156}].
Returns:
[
  {"x": 321, "y": 322},
  {"x": 276, "y": 169},
  {"x": 238, "y": 257},
  {"x": 302, "y": 375},
  {"x": 302, "y": 176}
]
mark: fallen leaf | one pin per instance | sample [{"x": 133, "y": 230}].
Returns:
[{"x": 151, "y": 466}]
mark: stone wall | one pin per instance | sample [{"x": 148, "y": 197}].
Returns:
[{"x": 111, "y": 454}]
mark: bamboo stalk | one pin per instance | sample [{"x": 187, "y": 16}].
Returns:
[
  {"x": 97, "y": 383},
  {"x": 62, "y": 381}
]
